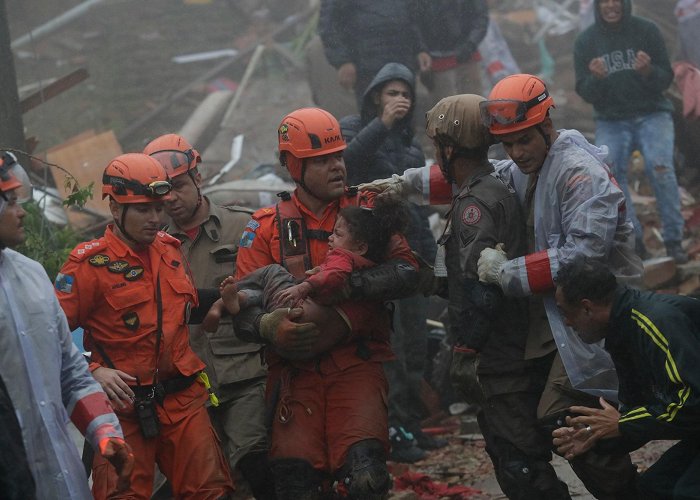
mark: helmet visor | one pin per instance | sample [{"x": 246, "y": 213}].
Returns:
[
  {"x": 156, "y": 189},
  {"x": 507, "y": 111},
  {"x": 14, "y": 178},
  {"x": 176, "y": 162}
]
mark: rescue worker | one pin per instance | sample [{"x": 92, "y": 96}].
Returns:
[
  {"x": 45, "y": 378},
  {"x": 381, "y": 143},
  {"x": 654, "y": 340},
  {"x": 572, "y": 207},
  {"x": 131, "y": 293},
  {"x": 209, "y": 236},
  {"x": 330, "y": 414},
  {"x": 488, "y": 331}
]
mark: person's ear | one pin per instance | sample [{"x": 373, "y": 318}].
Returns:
[
  {"x": 362, "y": 248},
  {"x": 587, "y": 307}
]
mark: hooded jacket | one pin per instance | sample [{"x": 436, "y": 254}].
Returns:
[
  {"x": 623, "y": 93},
  {"x": 376, "y": 152}
]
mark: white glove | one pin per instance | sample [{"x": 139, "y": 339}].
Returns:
[
  {"x": 491, "y": 263},
  {"x": 393, "y": 186}
]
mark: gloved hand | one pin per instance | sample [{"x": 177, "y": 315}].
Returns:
[
  {"x": 295, "y": 339},
  {"x": 463, "y": 374},
  {"x": 491, "y": 263},
  {"x": 119, "y": 454},
  {"x": 393, "y": 186}
]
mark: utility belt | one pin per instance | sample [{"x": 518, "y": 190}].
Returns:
[
  {"x": 146, "y": 397},
  {"x": 164, "y": 387}
]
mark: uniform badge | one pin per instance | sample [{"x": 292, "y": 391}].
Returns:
[
  {"x": 471, "y": 215},
  {"x": 133, "y": 273},
  {"x": 131, "y": 320},
  {"x": 118, "y": 266},
  {"x": 99, "y": 260},
  {"x": 246, "y": 239},
  {"x": 252, "y": 225},
  {"x": 64, "y": 283}
]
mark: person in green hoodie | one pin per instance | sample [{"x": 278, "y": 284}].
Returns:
[{"x": 622, "y": 68}]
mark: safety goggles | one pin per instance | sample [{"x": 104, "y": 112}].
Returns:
[
  {"x": 176, "y": 162},
  {"x": 507, "y": 111},
  {"x": 155, "y": 189}
]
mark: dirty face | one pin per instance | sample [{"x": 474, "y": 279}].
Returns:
[
  {"x": 611, "y": 11},
  {"x": 324, "y": 176},
  {"x": 342, "y": 238}
]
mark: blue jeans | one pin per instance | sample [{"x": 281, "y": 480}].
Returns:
[{"x": 652, "y": 135}]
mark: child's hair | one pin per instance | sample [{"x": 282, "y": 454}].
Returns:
[{"x": 377, "y": 225}]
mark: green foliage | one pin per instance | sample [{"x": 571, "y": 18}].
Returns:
[{"x": 45, "y": 242}]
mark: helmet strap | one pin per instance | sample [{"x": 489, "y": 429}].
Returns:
[
  {"x": 199, "y": 194},
  {"x": 120, "y": 223},
  {"x": 547, "y": 140},
  {"x": 446, "y": 162}
]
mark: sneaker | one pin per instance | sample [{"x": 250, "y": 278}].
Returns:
[
  {"x": 403, "y": 447},
  {"x": 428, "y": 442},
  {"x": 675, "y": 250}
]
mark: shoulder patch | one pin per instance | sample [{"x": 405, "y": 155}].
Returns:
[
  {"x": 252, "y": 225},
  {"x": 471, "y": 215},
  {"x": 86, "y": 250},
  {"x": 64, "y": 282},
  {"x": 246, "y": 239}
]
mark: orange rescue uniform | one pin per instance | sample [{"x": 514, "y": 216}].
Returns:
[
  {"x": 327, "y": 404},
  {"x": 109, "y": 290}
]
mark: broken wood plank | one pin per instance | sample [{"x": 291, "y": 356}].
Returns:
[{"x": 53, "y": 89}]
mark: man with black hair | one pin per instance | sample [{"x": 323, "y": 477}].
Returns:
[{"x": 654, "y": 341}]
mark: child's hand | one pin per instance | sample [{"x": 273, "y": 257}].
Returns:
[
  {"x": 292, "y": 295},
  {"x": 211, "y": 320}
]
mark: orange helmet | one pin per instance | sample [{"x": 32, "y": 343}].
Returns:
[
  {"x": 517, "y": 102},
  {"x": 135, "y": 178},
  {"x": 305, "y": 133},
  {"x": 14, "y": 178},
  {"x": 175, "y": 154}
]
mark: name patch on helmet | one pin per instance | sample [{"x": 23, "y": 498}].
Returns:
[
  {"x": 64, "y": 283},
  {"x": 331, "y": 140},
  {"x": 471, "y": 215}
]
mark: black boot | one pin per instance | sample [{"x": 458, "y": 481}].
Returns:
[
  {"x": 254, "y": 468},
  {"x": 675, "y": 250}
]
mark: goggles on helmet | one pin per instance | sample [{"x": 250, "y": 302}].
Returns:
[
  {"x": 155, "y": 189},
  {"x": 176, "y": 162},
  {"x": 508, "y": 111}
]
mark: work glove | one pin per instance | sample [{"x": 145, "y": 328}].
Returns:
[
  {"x": 118, "y": 452},
  {"x": 392, "y": 186},
  {"x": 491, "y": 263},
  {"x": 463, "y": 374},
  {"x": 292, "y": 340}
]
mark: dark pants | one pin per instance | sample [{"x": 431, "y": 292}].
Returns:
[{"x": 676, "y": 475}]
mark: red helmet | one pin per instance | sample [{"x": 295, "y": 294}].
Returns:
[
  {"x": 175, "y": 154},
  {"x": 14, "y": 178},
  {"x": 517, "y": 102},
  {"x": 305, "y": 133},
  {"x": 135, "y": 178}
]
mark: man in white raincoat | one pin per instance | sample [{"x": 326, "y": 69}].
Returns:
[{"x": 46, "y": 377}]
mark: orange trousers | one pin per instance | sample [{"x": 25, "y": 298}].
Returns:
[
  {"x": 187, "y": 452},
  {"x": 319, "y": 415}
]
